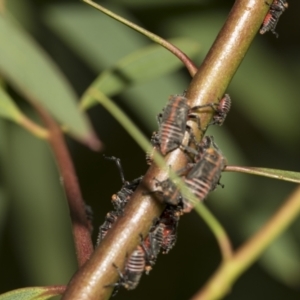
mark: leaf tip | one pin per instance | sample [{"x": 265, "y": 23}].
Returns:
[{"x": 93, "y": 142}]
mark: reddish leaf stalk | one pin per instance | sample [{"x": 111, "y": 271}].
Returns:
[
  {"x": 54, "y": 289},
  {"x": 80, "y": 225},
  {"x": 208, "y": 85},
  {"x": 155, "y": 38}
]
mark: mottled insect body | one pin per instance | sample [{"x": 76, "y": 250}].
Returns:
[
  {"x": 168, "y": 192},
  {"x": 144, "y": 255},
  {"x": 155, "y": 146},
  {"x": 156, "y": 240},
  {"x": 169, "y": 222},
  {"x": 201, "y": 177},
  {"x": 152, "y": 246},
  {"x": 206, "y": 143},
  {"x": 172, "y": 123},
  {"x": 120, "y": 199},
  {"x": 162, "y": 236},
  {"x": 133, "y": 271},
  {"x": 110, "y": 219},
  {"x": 271, "y": 19},
  {"x": 222, "y": 108},
  {"x": 204, "y": 175}
]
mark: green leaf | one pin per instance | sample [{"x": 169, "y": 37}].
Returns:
[
  {"x": 33, "y": 293},
  {"x": 262, "y": 104},
  {"x": 140, "y": 66},
  {"x": 29, "y": 69},
  {"x": 38, "y": 199},
  {"x": 94, "y": 37},
  {"x": 271, "y": 173},
  {"x": 8, "y": 108},
  {"x": 282, "y": 259}
]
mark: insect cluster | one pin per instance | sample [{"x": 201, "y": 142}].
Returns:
[
  {"x": 202, "y": 173},
  {"x": 201, "y": 176},
  {"x": 277, "y": 7},
  {"x": 161, "y": 238}
]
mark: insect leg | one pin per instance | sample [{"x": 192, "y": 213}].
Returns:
[{"x": 119, "y": 165}]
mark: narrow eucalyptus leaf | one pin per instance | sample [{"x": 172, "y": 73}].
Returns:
[
  {"x": 33, "y": 293},
  {"x": 140, "y": 66},
  {"x": 8, "y": 108},
  {"x": 31, "y": 71},
  {"x": 271, "y": 173}
]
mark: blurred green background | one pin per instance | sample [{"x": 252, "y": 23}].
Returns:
[{"x": 261, "y": 130}]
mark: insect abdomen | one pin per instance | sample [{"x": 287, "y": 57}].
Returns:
[{"x": 134, "y": 268}]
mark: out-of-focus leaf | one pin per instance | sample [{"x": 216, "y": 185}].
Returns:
[
  {"x": 119, "y": 115},
  {"x": 80, "y": 26},
  {"x": 33, "y": 293},
  {"x": 38, "y": 216},
  {"x": 9, "y": 110},
  {"x": 151, "y": 3},
  {"x": 142, "y": 65},
  {"x": 31, "y": 71},
  {"x": 269, "y": 97},
  {"x": 95, "y": 37},
  {"x": 23, "y": 11},
  {"x": 282, "y": 260},
  {"x": 271, "y": 173}
]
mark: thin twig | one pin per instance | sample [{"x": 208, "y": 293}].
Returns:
[
  {"x": 33, "y": 127},
  {"x": 155, "y": 38},
  {"x": 80, "y": 225}
]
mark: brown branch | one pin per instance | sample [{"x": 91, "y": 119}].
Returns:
[
  {"x": 91, "y": 279},
  {"x": 227, "y": 52},
  {"x": 208, "y": 85},
  {"x": 80, "y": 225}
]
